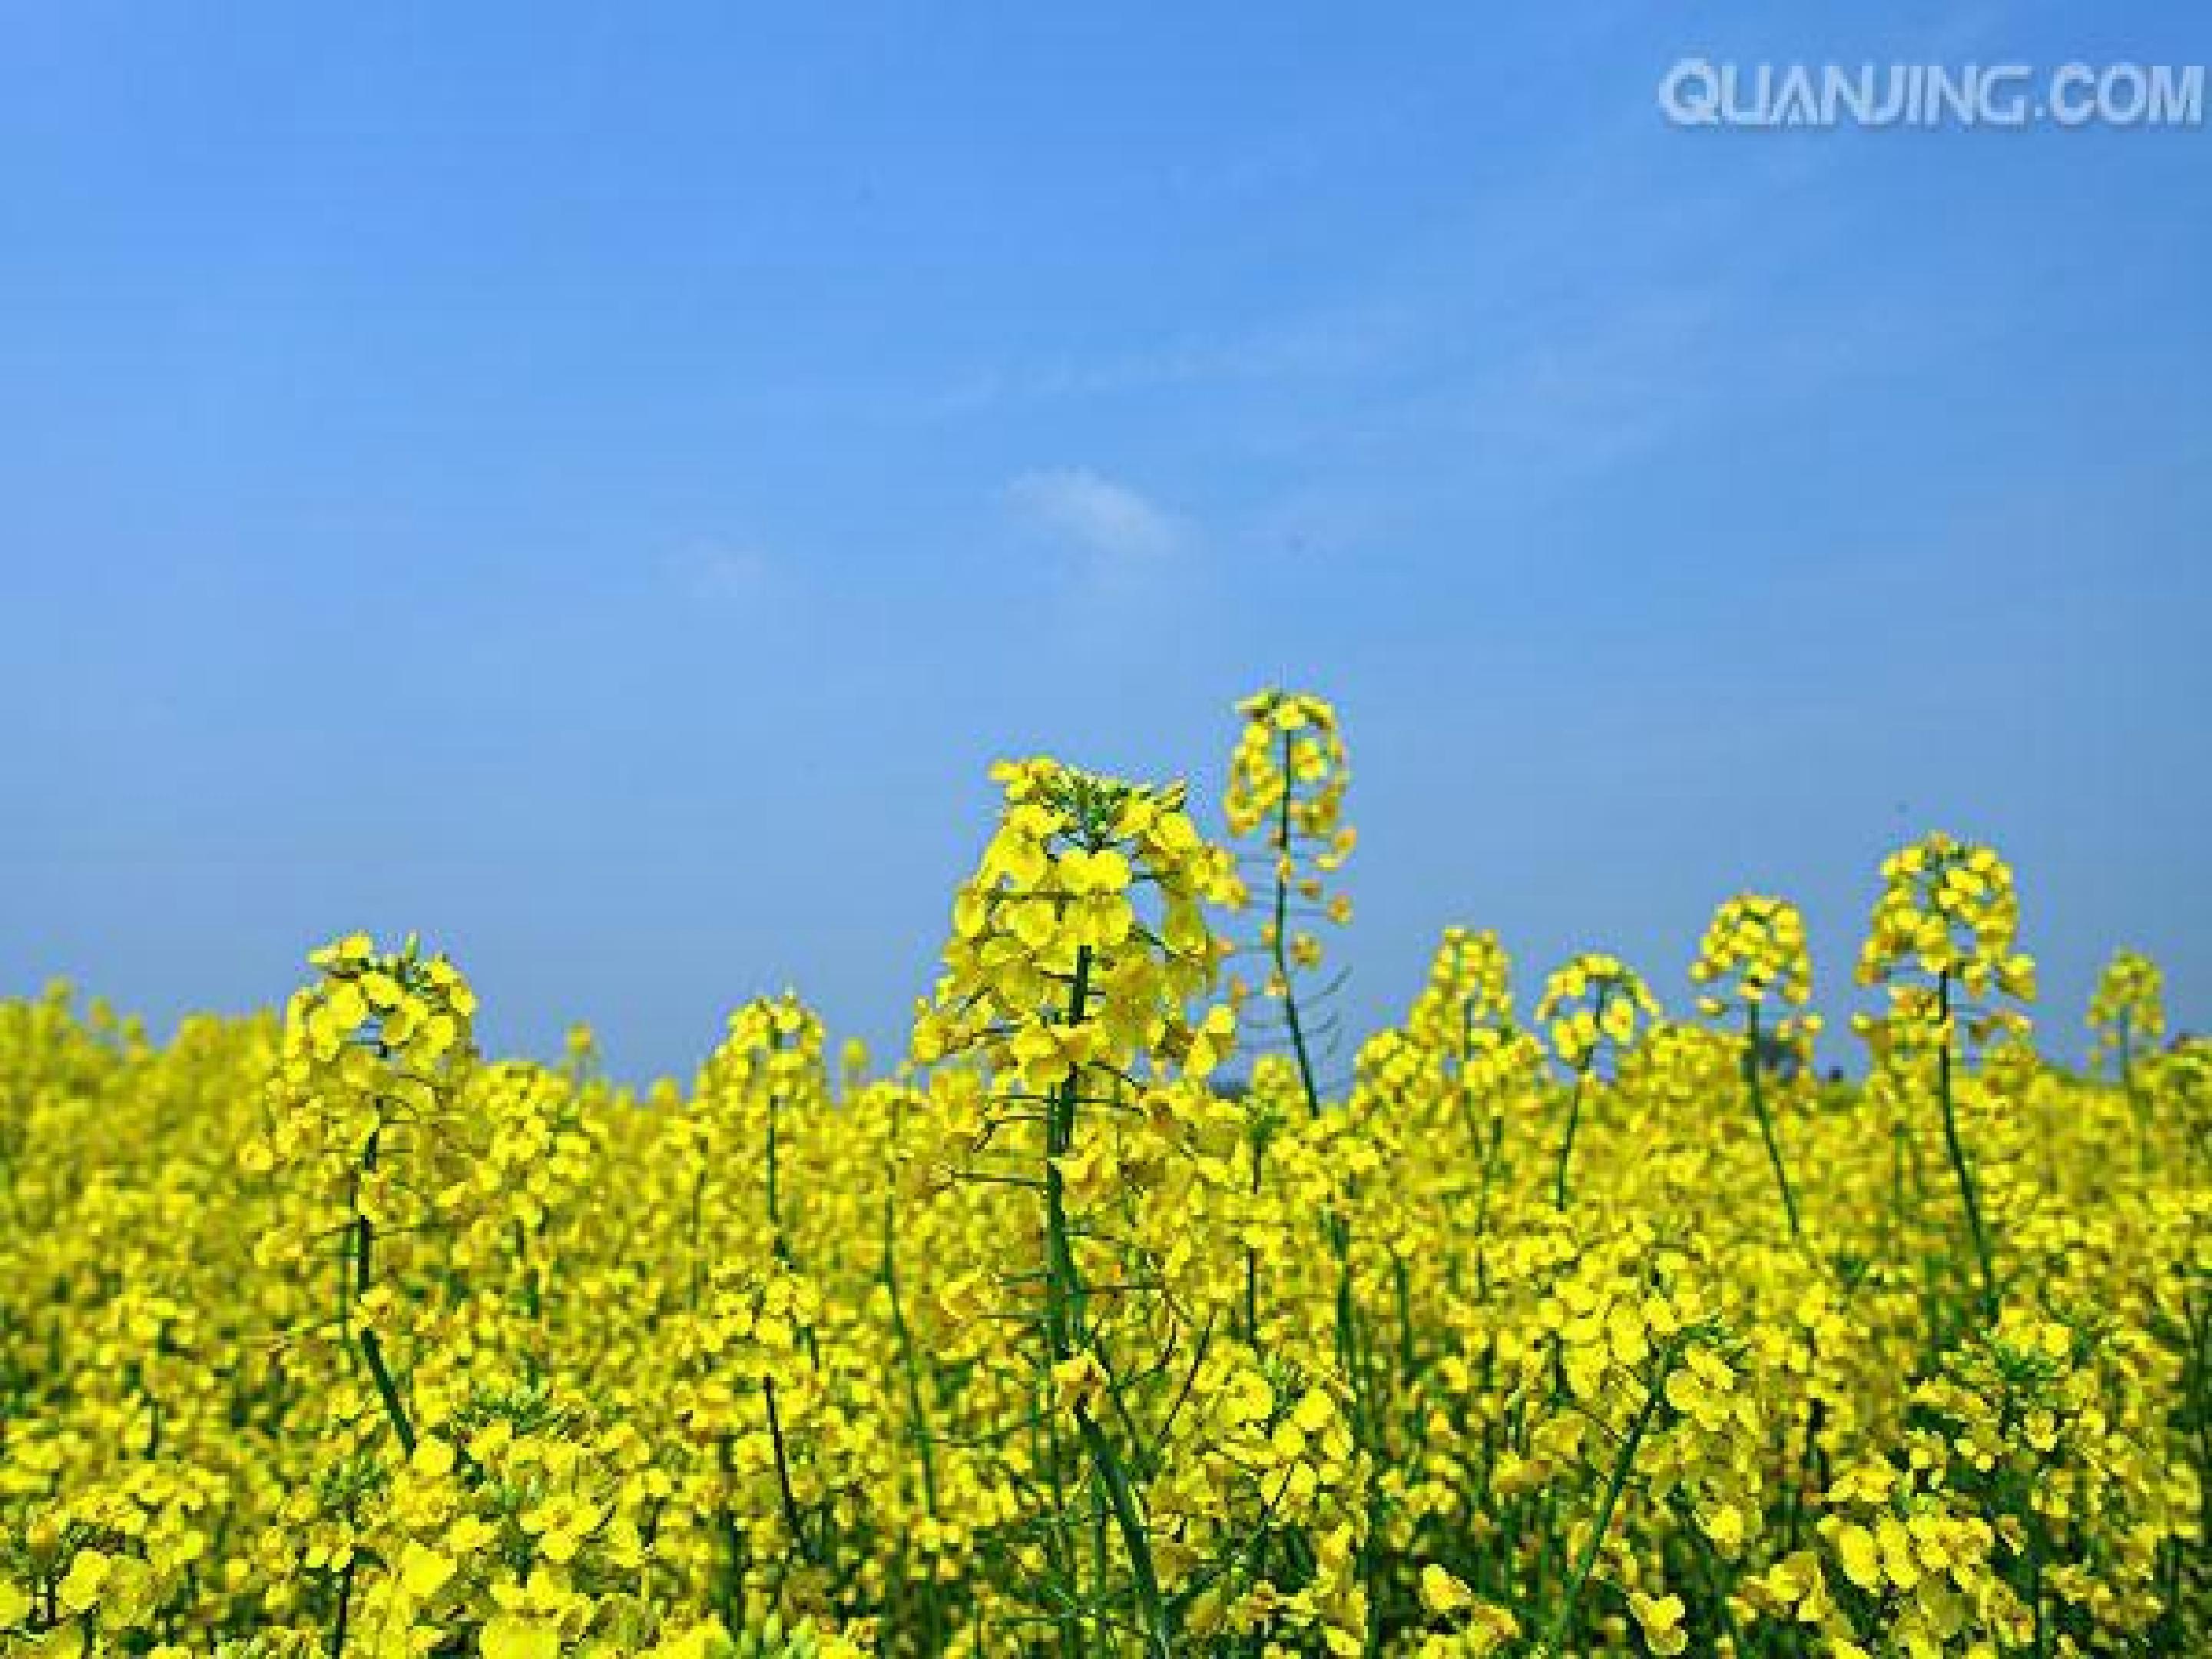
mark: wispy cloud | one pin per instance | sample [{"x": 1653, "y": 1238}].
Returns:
[
  {"x": 724, "y": 571},
  {"x": 1113, "y": 526}
]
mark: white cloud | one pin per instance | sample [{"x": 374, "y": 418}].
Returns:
[
  {"x": 719, "y": 571},
  {"x": 1111, "y": 523}
]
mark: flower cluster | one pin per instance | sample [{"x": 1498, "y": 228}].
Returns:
[
  {"x": 1287, "y": 779},
  {"x": 2127, "y": 1011},
  {"x": 1948, "y": 909},
  {"x": 1092, "y": 889},
  {"x": 1754, "y": 957},
  {"x": 1592, "y": 1001}
]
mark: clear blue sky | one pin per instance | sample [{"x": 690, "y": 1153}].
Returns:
[{"x": 599, "y": 485}]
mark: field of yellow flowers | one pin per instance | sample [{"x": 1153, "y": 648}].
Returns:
[{"x": 1560, "y": 1325}]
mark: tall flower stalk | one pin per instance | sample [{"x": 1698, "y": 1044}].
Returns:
[
  {"x": 2127, "y": 1011},
  {"x": 1754, "y": 964},
  {"x": 1077, "y": 948},
  {"x": 376, "y": 1053},
  {"x": 1943, "y": 940},
  {"x": 1287, "y": 779},
  {"x": 1592, "y": 1005}
]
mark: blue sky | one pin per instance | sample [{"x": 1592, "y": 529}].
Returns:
[{"x": 600, "y": 485}]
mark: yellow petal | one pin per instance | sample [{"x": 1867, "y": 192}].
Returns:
[
  {"x": 424, "y": 1571},
  {"x": 510, "y": 1637}
]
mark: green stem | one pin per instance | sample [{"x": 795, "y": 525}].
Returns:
[
  {"x": 372, "y": 1350},
  {"x": 1063, "y": 1320},
  {"x": 1251, "y": 1251},
  {"x": 733, "y": 1543},
  {"x": 1955, "y": 1148},
  {"x": 907, "y": 1361},
  {"x": 1402, "y": 1282},
  {"x": 776, "y": 1242},
  {"x": 1151, "y": 1606},
  {"x": 1755, "y": 1073},
  {"x": 698, "y": 1224},
  {"x": 785, "y": 1496},
  {"x": 1564, "y": 1619},
  {"x": 1489, "y": 1163},
  {"x": 345, "y": 1606},
  {"x": 1567, "y": 1141},
  {"x": 532, "y": 1301},
  {"x": 1282, "y": 944},
  {"x": 2134, "y": 1099}
]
